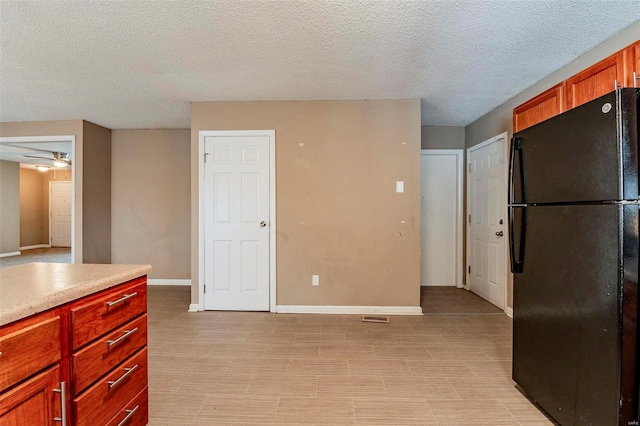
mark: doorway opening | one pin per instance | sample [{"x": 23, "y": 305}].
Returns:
[{"x": 37, "y": 165}]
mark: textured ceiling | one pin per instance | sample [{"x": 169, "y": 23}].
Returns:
[{"x": 139, "y": 64}]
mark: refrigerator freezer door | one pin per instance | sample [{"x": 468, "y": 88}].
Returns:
[
  {"x": 567, "y": 338},
  {"x": 589, "y": 153}
]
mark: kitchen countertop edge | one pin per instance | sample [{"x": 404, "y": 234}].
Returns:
[{"x": 49, "y": 298}]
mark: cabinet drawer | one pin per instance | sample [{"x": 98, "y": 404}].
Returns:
[
  {"x": 109, "y": 310},
  {"x": 103, "y": 400},
  {"x": 28, "y": 350},
  {"x": 135, "y": 413},
  {"x": 96, "y": 359}
]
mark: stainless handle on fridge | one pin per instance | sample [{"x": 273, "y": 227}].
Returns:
[{"x": 63, "y": 402}]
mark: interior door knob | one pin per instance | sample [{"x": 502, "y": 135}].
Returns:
[
  {"x": 263, "y": 224},
  {"x": 499, "y": 234}
]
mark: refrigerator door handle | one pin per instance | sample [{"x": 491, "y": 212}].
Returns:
[
  {"x": 516, "y": 145},
  {"x": 517, "y": 264}
]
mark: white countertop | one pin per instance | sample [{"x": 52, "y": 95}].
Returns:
[{"x": 36, "y": 287}]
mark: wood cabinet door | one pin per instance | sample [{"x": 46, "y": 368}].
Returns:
[
  {"x": 34, "y": 403},
  {"x": 595, "y": 81},
  {"x": 632, "y": 65},
  {"x": 546, "y": 105}
]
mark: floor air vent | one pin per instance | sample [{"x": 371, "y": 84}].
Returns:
[{"x": 373, "y": 318}]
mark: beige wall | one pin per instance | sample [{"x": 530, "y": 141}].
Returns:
[
  {"x": 9, "y": 207},
  {"x": 31, "y": 208},
  {"x": 150, "y": 200},
  {"x": 96, "y": 197},
  {"x": 359, "y": 235},
  {"x": 500, "y": 119},
  {"x": 442, "y": 137}
]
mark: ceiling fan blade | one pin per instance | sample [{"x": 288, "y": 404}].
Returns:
[
  {"x": 20, "y": 146},
  {"x": 40, "y": 158}
]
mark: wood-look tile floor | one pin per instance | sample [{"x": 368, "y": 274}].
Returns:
[
  {"x": 245, "y": 368},
  {"x": 438, "y": 300}
]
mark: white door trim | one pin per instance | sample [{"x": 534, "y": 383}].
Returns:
[
  {"x": 272, "y": 208},
  {"x": 459, "y": 153},
  {"x": 506, "y": 232},
  {"x": 76, "y": 188},
  {"x": 51, "y": 183}
]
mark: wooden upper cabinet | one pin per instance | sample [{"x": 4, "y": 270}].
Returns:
[
  {"x": 595, "y": 81},
  {"x": 632, "y": 65},
  {"x": 610, "y": 73},
  {"x": 546, "y": 105}
]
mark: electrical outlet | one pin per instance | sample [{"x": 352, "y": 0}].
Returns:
[{"x": 315, "y": 279}]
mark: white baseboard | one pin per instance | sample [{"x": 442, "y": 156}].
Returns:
[
  {"x": 36, "y": 246},
  {"x": 13, "y": 253},
  {"x": 161, "y": 281},
  {"x": 194, "y": 307},
  {"x": 357, "y": 310},
  {"x": 508, "y": 311}
]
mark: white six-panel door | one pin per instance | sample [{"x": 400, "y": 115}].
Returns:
[
  {"x": 60, "y": 214},
  {"x": 236, "y": 215},
  {"x": 487, "y": 221}
]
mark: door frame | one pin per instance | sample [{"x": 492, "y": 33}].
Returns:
[
  {"x": 505, "y": 175},
  {"x": 202, "y": 134},
  {"x": 459, "y": 153},
  {"x": 76, "y": 187},
  {"x": 51, "y": 183}
]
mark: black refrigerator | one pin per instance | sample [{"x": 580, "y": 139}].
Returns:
[{"x": 573, "y": 230}]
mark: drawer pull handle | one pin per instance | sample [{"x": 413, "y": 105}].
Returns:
[
  {"x": 127, "y": 371},
  {"x": 122, "y": 299},
  {"x": 130, "y": 413},
  {"x": 126, "y": 334},
  {"x": 63, "y": 403}
]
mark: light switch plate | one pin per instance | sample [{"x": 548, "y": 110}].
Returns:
[
  {"x": 400, "y": 186},
  {"x": 315, "y": 279}
]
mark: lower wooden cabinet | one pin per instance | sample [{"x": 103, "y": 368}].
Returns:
[
  {"x": 34, "y": 402},
  {"x": 87, "y": 359}
]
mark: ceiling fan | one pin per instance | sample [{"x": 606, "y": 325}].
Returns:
[{"x": 60, "y": 159}]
